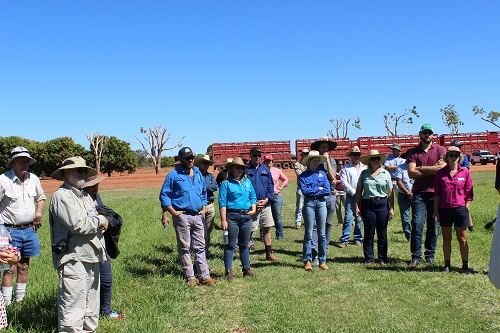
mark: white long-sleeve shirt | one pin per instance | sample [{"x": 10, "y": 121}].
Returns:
[{"x": 349, "y": 176}]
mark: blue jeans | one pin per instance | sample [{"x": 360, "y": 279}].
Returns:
[
  {"x": 330, "y": 201},
  {"x": 404, "y": 204},
  {"x": 106, "y": 287},
  {"x": 339, "y": 202},
  {"x": 299, "y": 204},
  {"x": 314, "y": 212},
  {"x": 239, "y": 229},
  {"x": 375, "y": 216},
  {"x": 423, "y": 202},
  {"x": 276, "y": 205},
  {"x": 349, "y": 221}
]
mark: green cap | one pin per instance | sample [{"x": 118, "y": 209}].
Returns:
[{"x": 426, "y": 127}]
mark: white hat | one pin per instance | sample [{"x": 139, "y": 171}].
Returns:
[
  {"x": 312, "y": 154},
  {"x": 19, "y": 152}
]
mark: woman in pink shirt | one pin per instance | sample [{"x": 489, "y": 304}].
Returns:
[{"x": 453, "y": 193}]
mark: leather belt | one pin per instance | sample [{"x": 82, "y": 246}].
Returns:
[
  {"x": 376, "y": 199},
  {"x": 239, "y": 211},
  {"x": 18, "y": 226},
  {"x": 319, "y": 197},
  {"x": 187, "y": 212}
]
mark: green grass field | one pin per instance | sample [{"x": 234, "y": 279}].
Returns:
[{"x": 150, "y": 292}]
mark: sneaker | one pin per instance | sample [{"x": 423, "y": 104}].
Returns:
[
  {"x": 113, "y": 315},
  {"x": 308, "y": 266},
  {"x": 358, "y": 243},
  {"x": 297, "y": 225},
  {"x": 446, "y": 270}
]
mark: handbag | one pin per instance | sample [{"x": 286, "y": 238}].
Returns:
[{"x": 494, "y": 272}]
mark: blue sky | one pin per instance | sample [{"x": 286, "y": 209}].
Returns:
[{"x": 225, "y": 71}]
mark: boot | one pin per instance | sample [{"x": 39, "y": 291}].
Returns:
[
  {"x": 229, "y": 276},
  {"x": 308, "y": 266},
  {"x": 248, "y": 272}
]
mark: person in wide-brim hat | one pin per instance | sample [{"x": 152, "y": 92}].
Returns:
[
  {"x": 373, "y": 153},
  {"x": 354, "y": 150},
  {"x": 313, "y": 154},
  {"x": 74, "y": 162},
  {"x": 202, "y": 158},
  {"x": 235, "y": 161},
  {"x": 331, "y": 144},
  {"x": 19, "y": 152}
]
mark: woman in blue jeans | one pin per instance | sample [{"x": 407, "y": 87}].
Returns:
[
  {"x": 315, "y": 186},
  {"x": 237, "y": 203},
  {"x": 375, "y": 204}
]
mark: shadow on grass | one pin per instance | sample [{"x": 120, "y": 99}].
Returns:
[
  {"x": 38, "y": 315},
  {"x": 163, "y": 261}
]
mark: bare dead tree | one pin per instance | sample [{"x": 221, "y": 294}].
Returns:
[
  {"x": 399, "y": 120},
  {"x": 156, "y": 141},
  {"x": 342, "y": 125},
  {"x": 97, "y": 142}
]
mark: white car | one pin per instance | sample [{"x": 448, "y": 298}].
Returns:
[{"x": 483, "y": 157}]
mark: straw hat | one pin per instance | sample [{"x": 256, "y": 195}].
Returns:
[
  {"x": 354, "y": 149},
  {"x": 312, "y": 154},
  {"x": 235, "y": 161},
  {"x": 331, "y": 144},
  {"x": 74, "y": 162},
  {"x": 19, "y": 152},
  {"x": 201, "y": 158},
  {"x": 93, "y": 180},
  {"x": 373, "y": 153}
]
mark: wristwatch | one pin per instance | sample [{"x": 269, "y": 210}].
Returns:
[{"x": 420, "y": 168}]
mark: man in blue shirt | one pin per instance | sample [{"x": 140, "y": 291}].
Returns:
[
  {"x": 184, "y": 196},
  {"x": 465, "y": 159},
  {"x": 263, "y": 184}
]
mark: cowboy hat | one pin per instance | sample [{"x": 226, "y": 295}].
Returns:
[
  {"x": 331, "y": 144},
  {"x": 73, "y": 163},
  {"x": 93, "y": 180},
  {"x": 235, "y": 161},
  {"x": 312, "y": 154},
  {"x": 396, "y": 146},
  {"x": 373, "y": 153},
  {"x": 354, "y": 150},
  {"x": 19, "y": 152},
  {"x": 200, "y": 158}
]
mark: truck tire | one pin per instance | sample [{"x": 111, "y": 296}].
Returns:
[
  {"x": 277, "y": 165},
  {"x": 484, "y": 162},
  {"x": 221, "y": 167},
  {"x": 286, "y": 165},
  {"x": 472, "y": 162}
]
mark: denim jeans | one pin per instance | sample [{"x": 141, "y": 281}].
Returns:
[
  {"x": 422, "y": 204},
  {"x": 276, "y": 205},
  {"x": 348, "y": 222},
  {"x": 299, "y": 204},
  {"x": 106, "y": 287},
  {"x": 375, "y": 216},
  {"x": 239, "y": 229},
  {"x": 404, "y": 204},
  {"x": 339, "y": 203},
  {"x": 330, "y": 201},
  {"x": 314, "y": 212}
]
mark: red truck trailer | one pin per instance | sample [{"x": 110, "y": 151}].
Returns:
[
  {"x": 472, "y": 141},
  {"x": 382, "y": 143},
  {"x": 343, "y": 146},
  {"x": 280, "y": 150}
]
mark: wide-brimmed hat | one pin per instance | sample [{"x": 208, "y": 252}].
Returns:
[
  {"x": 93, "y": 180},
  {"x": 312, "y": 154},
  {"x": 235, "y": 161},
  {"x": 331, "y": 144},
  {"x": 202, "y": 158},
  {"x": 396, "y": 146},
  {"x": 373, "y": 153},
  {"x": 73, "y": 163},
  {"x": 354, "y": 150},
  {"x": 19, "y": 152}
]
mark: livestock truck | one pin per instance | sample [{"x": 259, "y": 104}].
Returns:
[{"x": 280, "y": 150}]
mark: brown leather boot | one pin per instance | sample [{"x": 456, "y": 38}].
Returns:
[
  {"x": 308, "y": 266},
  {"x": 229, "y": 276},
  {"x": 248, "y": 272},
  {"x": 271, "y": 257}
]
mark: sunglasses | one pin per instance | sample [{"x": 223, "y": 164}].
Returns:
[
  {"x": 356, "y": 154},
  {"x": 427, "y": 132},
  {"x": 188, "y": 158},
  {"x": 453, "y": 155},
  {"x": 239, "y": 167},
  {"x": 81, "y": 170},
  {"x": 256, "y": 155},
  {"x": 377, "y": 158},
  {"x": 205, "y": 163}
]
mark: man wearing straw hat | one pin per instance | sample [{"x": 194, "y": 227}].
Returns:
[
  {"x": 203, "y": 162},
  {"x": 19, "y": 190},
  {"x": 76, "y": 232},
  {"x": 349, "y": 176}
]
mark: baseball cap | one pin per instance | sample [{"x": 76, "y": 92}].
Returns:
[
  {"x": 426, "y": 127},
  {"x": 305, "y": 151},
  {"x": 455, "y": 143},
  {"x": 185, "y": 152},
  {"x": 268, "y": 157},
  {"x": 255, "y": 150}
]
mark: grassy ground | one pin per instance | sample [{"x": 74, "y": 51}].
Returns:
[{"x": 149, "y": 290}]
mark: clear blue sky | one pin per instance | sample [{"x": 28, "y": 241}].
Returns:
[{"x": 224, "y": 71}]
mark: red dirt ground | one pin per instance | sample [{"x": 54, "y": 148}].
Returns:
[{"x": 146, "y": 178}]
